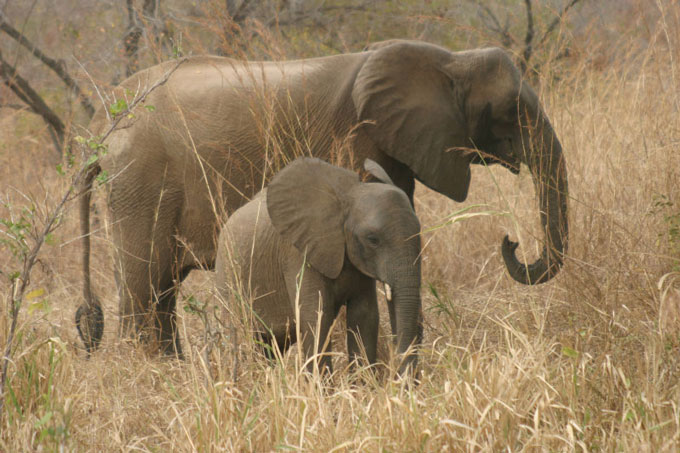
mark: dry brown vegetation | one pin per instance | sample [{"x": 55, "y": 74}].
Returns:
[{"x": 589, "y": 361}]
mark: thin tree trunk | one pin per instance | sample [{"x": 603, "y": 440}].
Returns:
[{"x": 135, "y": 32}]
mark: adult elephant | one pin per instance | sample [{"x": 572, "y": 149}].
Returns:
[{"x": 221, "y": 127}]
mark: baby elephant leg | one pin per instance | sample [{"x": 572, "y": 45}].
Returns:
[
  {"x": 317, "y": 342},
  {"x": 362, "y": 324},
  {"x": 316, "y": 315}
]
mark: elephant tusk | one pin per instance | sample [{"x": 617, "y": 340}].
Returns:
[{"x": 388, "y": 293}]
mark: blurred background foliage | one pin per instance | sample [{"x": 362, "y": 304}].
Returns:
[{"x": 103, "y": 42}]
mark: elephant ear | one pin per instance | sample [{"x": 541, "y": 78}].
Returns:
[
  {"x": 404, "y": 96},
  {"x": 377, "y": 171},
  {"x": 305, "y": 205}
]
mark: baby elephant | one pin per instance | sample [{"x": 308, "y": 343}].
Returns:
[{"x": 319, "y": 230}]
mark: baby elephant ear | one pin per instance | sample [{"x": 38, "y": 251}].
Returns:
[
  {"x": 305, "y": 204},
  {"x": 377, "y": 171}
]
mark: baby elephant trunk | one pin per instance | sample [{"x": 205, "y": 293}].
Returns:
[{"x": 407, "y": 324}]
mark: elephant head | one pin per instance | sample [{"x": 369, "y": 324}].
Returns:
[
  {"x": 438, "y": 112},
  {"x": 332, "y": 217}
]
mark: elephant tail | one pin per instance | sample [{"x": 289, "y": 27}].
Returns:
[{"x": 89, "y": 316}]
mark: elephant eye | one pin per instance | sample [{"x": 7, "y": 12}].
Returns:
[{"x": 372, "y": 239}]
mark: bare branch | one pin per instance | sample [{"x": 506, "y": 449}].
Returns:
[
  {"x": 14, "y": 106},
  {"x": 241, "y": 12},
  {"x": 528, "y": 37},
  {"x": 27, "y": 94},
  {"x": 557, "y": 20},
  {"x": 58, "y": 67},
  {"x": 495, "y": 26},
  {"x": 134, "y": 33}
]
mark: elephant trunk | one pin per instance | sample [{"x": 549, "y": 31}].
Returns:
[
  {"x": 406, "y": 316},
  {"x": 549, "y": 173}
]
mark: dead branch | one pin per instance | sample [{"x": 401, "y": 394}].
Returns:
[
  {"x": 528, "y": 37},
  {"x": 495, "y": 26},
  {"x": 135, "y": 31},
  {"x": 239, "y": 13},
  {"x": 557, "y": 20},
  {"x": 27, "y": 94},
  {"x": 529, "y": 43},
  {"x": 58, "y": 67}
]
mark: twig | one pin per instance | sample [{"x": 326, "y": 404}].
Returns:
[
  {"x": 19, "y": 284},
  {"x": 96, "y": 88},
  {"x": 506, "y": 38},
  {"x": 557, "y": 20}
]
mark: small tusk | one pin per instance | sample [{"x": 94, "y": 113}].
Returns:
[{"x": 388, "y": 293}]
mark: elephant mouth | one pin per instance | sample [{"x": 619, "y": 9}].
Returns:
[{"x": 482, "y": 158}]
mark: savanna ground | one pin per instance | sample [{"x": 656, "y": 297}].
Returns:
[{"x": 588, "y": 361}]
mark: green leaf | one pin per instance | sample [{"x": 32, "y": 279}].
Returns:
[
  {"x": 150, "y": 108},
  {"x": 41, "y": 305},
  {"x": 45, "y": 418},
  {"x": 630, "y": 416},
  {"x": 60, "y": 170},
  {"x": 118, "y": 107},
  {"x": 50, "y": 239},
  {"x": 35, "y": 293},
  {"x": 433, "y": 290},
  {"x": 193, "y": 306},
  {"x": 569, "y": 352},
  {"x": 92, "y": 159},
  {"x": 102, "y": 177}
]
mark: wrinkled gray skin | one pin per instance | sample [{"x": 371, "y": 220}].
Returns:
[
  {"x": 221, "y": 128},
  {"x": 349, "y": 234}
]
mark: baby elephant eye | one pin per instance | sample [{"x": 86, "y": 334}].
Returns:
[{"x": 373, "y": 239}]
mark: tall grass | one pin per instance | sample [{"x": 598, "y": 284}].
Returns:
[{"x": 586, "y": 362}]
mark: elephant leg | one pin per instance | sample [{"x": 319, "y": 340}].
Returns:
[
  {"x": 166, "y": 316},
  {"x": 134, "y": 298},
  {"x": 165, "y": 319},
  {"x": 317, "y": 342},
  {"x": 317, "y": 308},
  {"x": 147, "y": 293},
  {"x": 362, "y": 323},
  {"x": 267, "y": 343},
  {"x": 143, "y": 227}
]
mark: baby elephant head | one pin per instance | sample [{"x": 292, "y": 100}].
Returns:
[{"x": 330, "y": 215}]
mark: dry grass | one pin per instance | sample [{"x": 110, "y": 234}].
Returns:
[{"x": 586, "y": 362}]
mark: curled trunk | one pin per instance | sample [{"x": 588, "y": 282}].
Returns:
[{"x": 549, "y": 173}]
